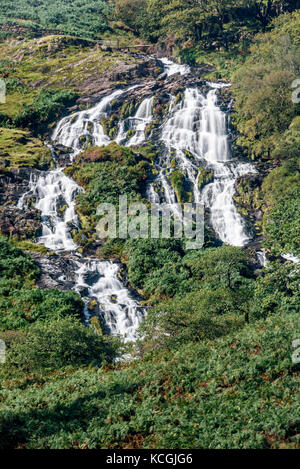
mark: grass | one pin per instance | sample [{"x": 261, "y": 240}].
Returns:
[{"x": 18, "y": 149}]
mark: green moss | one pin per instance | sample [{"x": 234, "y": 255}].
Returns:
[
  {"x": 19, "y": 149},
  {"x": 110, "y": 125},
  {"x": 205, "y": 177},
  {"x": 33, "y": 247},
  {"x": 178, "y": 182},
  {"x": 130, "y": 133},
  {"x": 128, "y": 109}
]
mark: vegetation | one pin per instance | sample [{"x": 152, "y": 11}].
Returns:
[
  {"x": 20, "y": 149},
  {"x": 212, "y": 367},
  {"x": 45, "y": 109},
  {"x": 106, "y": 173},
  {"x": 211, "y": 23},
  {"x": 239, "y": 391},
  {"x": 87, "y": 19}
]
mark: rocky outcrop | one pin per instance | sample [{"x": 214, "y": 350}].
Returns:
[
  {"x": 144, "y": 69},
  {"x": 13, "y": 184},
  {"x": 22, "y": 224},
  {"x": 56, "y": 271}
]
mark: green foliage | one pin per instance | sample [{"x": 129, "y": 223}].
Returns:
[
  {"x": 155, "y": 265},
  {"x": 86, "y": 18},
  {"x": 263, "y": 88},
  {"x": 282, "y": 225},
  {"x": 21, "y": 303},
  {"x": 235, "y": 392},
  {"x": 276, "y": 291},
  {"x": 60, "y": 343},
  {"x": 46, "y": 108}
]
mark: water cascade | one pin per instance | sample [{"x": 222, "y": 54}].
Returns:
[
  {"x": 194, "y": 138},
  {"x": 84, "y": 127},
  {"x": 136, "y": 124},
  {"x": 171, "y": 68}
]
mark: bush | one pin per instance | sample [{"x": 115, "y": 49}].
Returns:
[
  {"x": 58, "y": 344},
  {"x": 46, "y": 108},
  {"x": 24, "y": 307}
]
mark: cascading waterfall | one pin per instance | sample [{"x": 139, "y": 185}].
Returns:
[
  {"x": 54, "y": 195},
  {"x": 85, "y": 127},
  {"x": 119, "y": 310},
  {"x": 171, "y": 68},
  {"x": 137, "y": 124},
  {"x": 196, "y": 135}
]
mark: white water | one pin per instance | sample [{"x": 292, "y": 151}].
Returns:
[
  {"x": 120, "y": 311},
  {"x": 138, "y": 123},
  {"x": 262, "y": 258},
  {"x": 172, "y": 68},
  {"x": 77, "y": 130},
  {"x": 198, "y": 125}
]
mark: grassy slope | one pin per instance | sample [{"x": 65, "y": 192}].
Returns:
[
  {"x": 18, "y": 148},
  {"x": 88, "y": 18},
  {"x": 236, "y": 392},
  {"x": 51, "y": 61}
]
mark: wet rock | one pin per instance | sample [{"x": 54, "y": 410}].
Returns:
[
  {"x": 91, "y": 277},
  {"x": 13, "y": 184},
  {"x": 57, "y": 272},
  {"x": 62, "y": 154},
  {"x": 23, "y": 223}
]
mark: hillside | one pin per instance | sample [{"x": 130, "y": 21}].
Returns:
[{"x": 133, "y": 341}]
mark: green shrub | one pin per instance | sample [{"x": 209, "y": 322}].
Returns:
[{"x": 58, "y": 344}]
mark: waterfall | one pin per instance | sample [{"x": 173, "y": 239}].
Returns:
[
  {"x": 172, "y": 68},
  {"x": 54, "y": 194},
  {"x": 137, "y": 123},
  {"x": 85, "y": 127},
  {"x": 196, "y": 136},
  {"x": 119, "y": 310},
  {"x": 55, "y": 197}
]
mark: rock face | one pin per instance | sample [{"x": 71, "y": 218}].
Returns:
[
  {"x": 15, "y": 222},
  {"x": 56, "y": 272},
  {"x": 21, "y": 223},
  {"x": 149, "y": 70}
]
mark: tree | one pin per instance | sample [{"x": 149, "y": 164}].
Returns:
[{"x": 60, "y": 343}]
